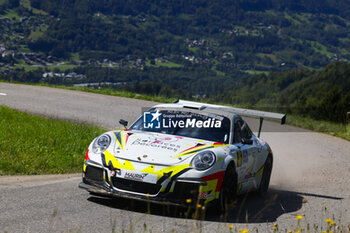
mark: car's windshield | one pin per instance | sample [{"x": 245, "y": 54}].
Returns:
[{"x": 184, "y": 123}]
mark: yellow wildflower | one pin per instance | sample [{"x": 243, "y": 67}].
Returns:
[
  {"x": 147, "y": 195},
  {"x": 240, "y": 230},
  {"x": 199, "y": 206},
  {"x": 230, "y": 226},
  {"x": 299, "y": 217},
  {"x": 330, "y": 221},
  {"x": 188, "y": 200},
  {"x": 245, "y": 231}
]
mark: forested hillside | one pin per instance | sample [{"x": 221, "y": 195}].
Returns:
[
  {"x": 247, "y": 35},
  {"x": 322, "y": 95},
  {"x": 261, "y": 53}
]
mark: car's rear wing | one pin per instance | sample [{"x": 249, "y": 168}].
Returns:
[{"x": 239, "y": 111}]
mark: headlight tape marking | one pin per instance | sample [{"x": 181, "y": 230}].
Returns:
[{"x": 119, "y": 139}]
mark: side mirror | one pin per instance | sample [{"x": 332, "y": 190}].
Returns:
[
  {"x": 123, "y": 122},
  {"x": 247, "y": 141}
]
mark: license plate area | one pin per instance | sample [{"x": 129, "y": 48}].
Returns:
[{"x": 137, "y": 176}]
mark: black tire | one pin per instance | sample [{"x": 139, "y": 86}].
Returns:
[
  {"x": 228, "y": 191},
  {"x": 265, "y": 179}
]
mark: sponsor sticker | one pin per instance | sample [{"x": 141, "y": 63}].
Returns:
[
  {"x": 203, "y": 195},
  {"x": 239, "y": 158},
  {"x": 245, "y": 156},
  {"x": 137, "y": 176}
]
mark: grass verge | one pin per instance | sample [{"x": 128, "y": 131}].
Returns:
[
  {"x": 331, "y": 128},
  {"x": 34, "y": 145},
  {"x": 112, "y": 92}
]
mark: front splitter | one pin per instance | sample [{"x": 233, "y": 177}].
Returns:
[{"x": 97, "y": 190}]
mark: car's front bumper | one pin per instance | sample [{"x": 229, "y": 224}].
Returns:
[{"x": 184, "y": 191}]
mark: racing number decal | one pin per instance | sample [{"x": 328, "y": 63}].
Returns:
[
  {"x": 242, "y": 157},
  {"x": 245, "y": 156}
]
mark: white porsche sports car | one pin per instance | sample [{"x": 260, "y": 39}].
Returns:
[{"x": 180, "y": 153}]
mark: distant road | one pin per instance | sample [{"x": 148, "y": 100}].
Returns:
[
  {"x": 101, "y": 110},
  {"x": 310, "y": 177}
]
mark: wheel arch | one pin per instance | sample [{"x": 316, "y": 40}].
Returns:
[
  {"x": 232, "y": 164},
  {"x": 270, "y": 154}
]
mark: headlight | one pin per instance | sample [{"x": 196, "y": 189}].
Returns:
[
  {"x": 101, "y": 143},
  {"x": 203, "y": 160}
]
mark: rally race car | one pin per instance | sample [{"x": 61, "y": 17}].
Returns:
[{"x": 180, "y": 153}]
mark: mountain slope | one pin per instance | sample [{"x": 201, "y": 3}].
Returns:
[
  {"x": 232, "y": 34},
  {"x": 323, "y": 95}
]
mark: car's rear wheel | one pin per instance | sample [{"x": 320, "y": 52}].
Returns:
[
  {"x": 265, "y": 179},
  {"x": 228, "y": 191}
]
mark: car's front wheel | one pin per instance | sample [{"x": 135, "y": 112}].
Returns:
[
  {"x": 265, "y": 179},
  {"x": 228, "y": 191}
]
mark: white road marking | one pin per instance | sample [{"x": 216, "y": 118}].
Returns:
[{"x": 3, "y": 94}]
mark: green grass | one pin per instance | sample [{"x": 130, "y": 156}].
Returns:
[
  {"x": 74, "y": 56},
  {"x": 169, "y": 64},
  {"x": 269, "y": 55},
  {"x": 194, "y": 49},
  {"x": 11, "y": 14},
  {"x": 255, "y": 72},
  {"x": 26, "y": 67},
  {"x": 291, "y": 19},
  {"x": 61, "y": 68},
  {"x": 24, "y": 49},
  {"x": 163, "y": 64},
  {"x": 127, "y": 94},
  {"x": 334, "y": 129},
  {"x": 320, "y": 48},
  {"x": 34, "y": 145},
  {"x": 27, "y": 4},
  {"x": 218, "y": 72},
  {"x": 38, "y": 32}
]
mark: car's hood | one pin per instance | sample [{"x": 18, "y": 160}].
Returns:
[{"x": 157, "y": 148}]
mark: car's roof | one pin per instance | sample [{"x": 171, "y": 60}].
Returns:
[
  {"x": 208, "y": 110},
  {"x": 222, "y": 110}
]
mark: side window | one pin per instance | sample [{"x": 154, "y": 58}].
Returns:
[
  {"x": 237, "y": 132},
  {"x": 246, "y": 132},
  {"x": 241, "y": 130}
]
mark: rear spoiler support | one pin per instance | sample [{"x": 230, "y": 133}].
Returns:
[{"x": 260, "y": 126}]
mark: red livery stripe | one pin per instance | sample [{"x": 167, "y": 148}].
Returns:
[
  {"x": 219, "y": 176},
  {"x": 87, "y": 155}
]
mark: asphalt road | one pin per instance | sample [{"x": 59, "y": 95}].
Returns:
[{"x": 310, "y": 177}]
